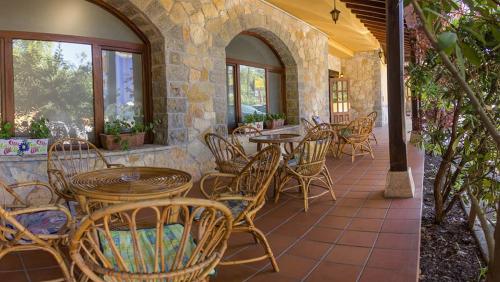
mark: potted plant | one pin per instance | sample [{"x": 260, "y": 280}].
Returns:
[
  {"x": 256, "y": 120},
  {"x": 120, "y": 134},
  {"x": 275, "y": 120},
  {"x": 37, "y": 144}
]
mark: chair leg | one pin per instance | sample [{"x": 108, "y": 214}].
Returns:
[
  {"x": 305, "y": 190},
  {"x": 370, "y": 149},
  {"x": 353, "y": 155},
  {"x": 60, "y": 260},
  {"x": 330, "y": 182},
  {"x": 263, "y": 240}
]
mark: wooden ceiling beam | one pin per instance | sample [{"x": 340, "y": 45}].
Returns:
[
  {"x": 371, "y": 19},
  {"x": 354, "y": 8},
  {"x": 368, "y": 14},
  {"x": 369, "y": 3}
]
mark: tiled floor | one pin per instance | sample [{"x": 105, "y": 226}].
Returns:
[{"x": 360, "y": 237}]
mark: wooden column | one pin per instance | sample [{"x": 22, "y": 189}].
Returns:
[
  {"x": 399, "y": 182},
  {"x": 395, "y": 85}
]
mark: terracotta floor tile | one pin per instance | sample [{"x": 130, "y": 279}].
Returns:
[
  {"x": 270, "y": 275},
  {"x": 401, "y": 226},
  {"x": 349, "y": 202},
  {"x": 402, "y": 260},
  {"x": 329, "y": 272},
  {"x": 44, "y": 274},
  {"x": 365, "y": 181},
  {"x": 294, "y": 266},
  {"x": 349, "y": 255},
  {"x": 415, "y": 203},
  {"x": 233, "y": 273},
  {"x": 403, "y": 214},
  {"x": 357, "y": 195},
  {"x": 371, "y": 274},
  {"x": 309, "y": 249},
  {"x": 37, "y": 259},
  {"x": 344, "y": 211},
  {"x": 371, "y": 213},
  {"x": 365, "y": 224},
  {"x": 17, "y": 276},
  {"x": 379, "y": 204},
  {"x": 321, "y": 234},
  {"x": 338, "y": 222},
  {"x": 269, "y": 223},
  {"x": 397, "y": 241},
  {"x": 292, "y": 228},
  {"x": 11, "y": 262},
  {"x": 358, "y": 238}
]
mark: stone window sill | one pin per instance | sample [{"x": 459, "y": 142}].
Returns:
[
  {"x": 144, "y": 149},
  {"x": 292, "y": 127}
]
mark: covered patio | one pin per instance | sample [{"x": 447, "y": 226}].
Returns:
[
  {"x": 185, "y": 70},
  {"x": 363, "y": 236}
]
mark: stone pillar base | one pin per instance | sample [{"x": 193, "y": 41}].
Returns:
[{"x": 399, "y": 184}]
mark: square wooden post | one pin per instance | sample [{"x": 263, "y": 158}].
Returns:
[{"x": 399, "y": 181}]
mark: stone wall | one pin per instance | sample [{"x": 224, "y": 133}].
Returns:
[
  {"x": 366, "y": 84},
  {"x": 189, "y": 67},
  {"x": 334, "y": 63}
]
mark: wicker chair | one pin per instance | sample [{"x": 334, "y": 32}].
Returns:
[
  {"x": 307, "y": 164},
  {"x": 119, "y": 243},
  {"x": 244, "y": 131},
  {"x": 228, "y": 158},
  {"x": 245, "y": 195},
  {"x": 30, "y": 220},
  {"x": 70, "y": 156},
  {"x": 307, "y": 124},
  {"x": 356, "y": 136},
  {"x": 373, "y": 116}
]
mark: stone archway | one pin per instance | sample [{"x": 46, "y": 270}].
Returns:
[{"x": 150, "y": 33}]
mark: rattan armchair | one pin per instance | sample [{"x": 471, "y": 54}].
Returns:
[
  {"x": 70, "y": 156},
  {"x": 307, "y": 124},
  {"x": 373, "y": 116},
  {"x": 180, "y": 239},
  {"x": 244, "y": 131},
  {"x": 245, "y": 195},
  {"x": 30, "y": 220},
  {"x": 356, "y": 136},
  {"x": 306, "y": 164},
  {"x": 228, "y": 158}
]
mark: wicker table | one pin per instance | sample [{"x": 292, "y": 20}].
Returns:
[
  {"x": 280, "y": 138},
  {"x": 115, "y": 185}
]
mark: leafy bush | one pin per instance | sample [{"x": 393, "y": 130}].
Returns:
[
  {"x": 39, "y": 129},
  {"x": 5, "y": 130}
]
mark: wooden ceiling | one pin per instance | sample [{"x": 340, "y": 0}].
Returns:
[{"x": 372, "y": 14}]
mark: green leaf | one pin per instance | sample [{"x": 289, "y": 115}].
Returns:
[
  {"x": 460, "y": 60},
  {"x": 476, "y": 34},
  {"x": 447, "y": 41},
  {"x": 471, "y": 54}
]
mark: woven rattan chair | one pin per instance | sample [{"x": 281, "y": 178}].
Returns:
[
  {"x": 307, "y": 124},
  {"x": 306, "y": 164},
  {"x": 228, "y": 158},
  {"x": 30, "y": 220},
  {"x": 244, "y": 131},
  {"x": 373, "y": 116},
  {"x": 245, "y": 195},
  {"x": 70, "y": 156},
  {"x": 180, "y": 239},
  {"x": 356, "y": 136}
]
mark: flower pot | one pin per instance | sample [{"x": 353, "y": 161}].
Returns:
[
  {"x": 110, "y": 142},
  {"x": 18, "y": 146},
  {"x": 259, "y": 125},
  {"x": 275, "y": 123},
  {"x": 139, "y": 139}
]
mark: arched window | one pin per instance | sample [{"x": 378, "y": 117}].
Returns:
[
  {"x": 255, "y": 79},
  {"x": 72, "y": 62}
]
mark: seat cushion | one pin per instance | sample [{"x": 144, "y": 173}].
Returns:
[
  {"x": 172, "y": 236},
  {"x": 235, "y": 206},
  {"x": 43, "y": 223}
]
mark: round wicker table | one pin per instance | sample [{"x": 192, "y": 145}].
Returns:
[
  {"x": 115, "y": 185},
  {"x": 279, "y": 138}
]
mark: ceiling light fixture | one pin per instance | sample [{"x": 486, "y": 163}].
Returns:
[{"x": 335, "y": 13}]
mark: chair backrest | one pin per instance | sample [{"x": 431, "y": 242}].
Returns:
[
  {"x": 68, "y": 157},
  {"x": 256, "y": 176},
  {"x": 373, "y": 116},
  {"x": 308, "y": 158},
  {"x": 307, "y": 124},
  {"x": 180, "y": 239},
  {"x": 25, "y": 197},
  {"x": 224, "y": 152},
  {"x": 244, "y": 131}
]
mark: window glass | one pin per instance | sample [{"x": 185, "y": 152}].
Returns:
[
  {"x": 253, "y": 90},
  {"x": 231, "y": 110},
  {"x": 275, "y": 101},
  {"x": 54, "y": 80},
  {"x": 122, "y": 86}
]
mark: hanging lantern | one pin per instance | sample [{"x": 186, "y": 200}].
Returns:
[{"x": 335, "y": 13}]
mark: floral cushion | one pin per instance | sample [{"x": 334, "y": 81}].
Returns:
[
  {"x": 236, "y": 206},
  {"x": 172, "y": 235},
  {"x": 43, "y": 223}
]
